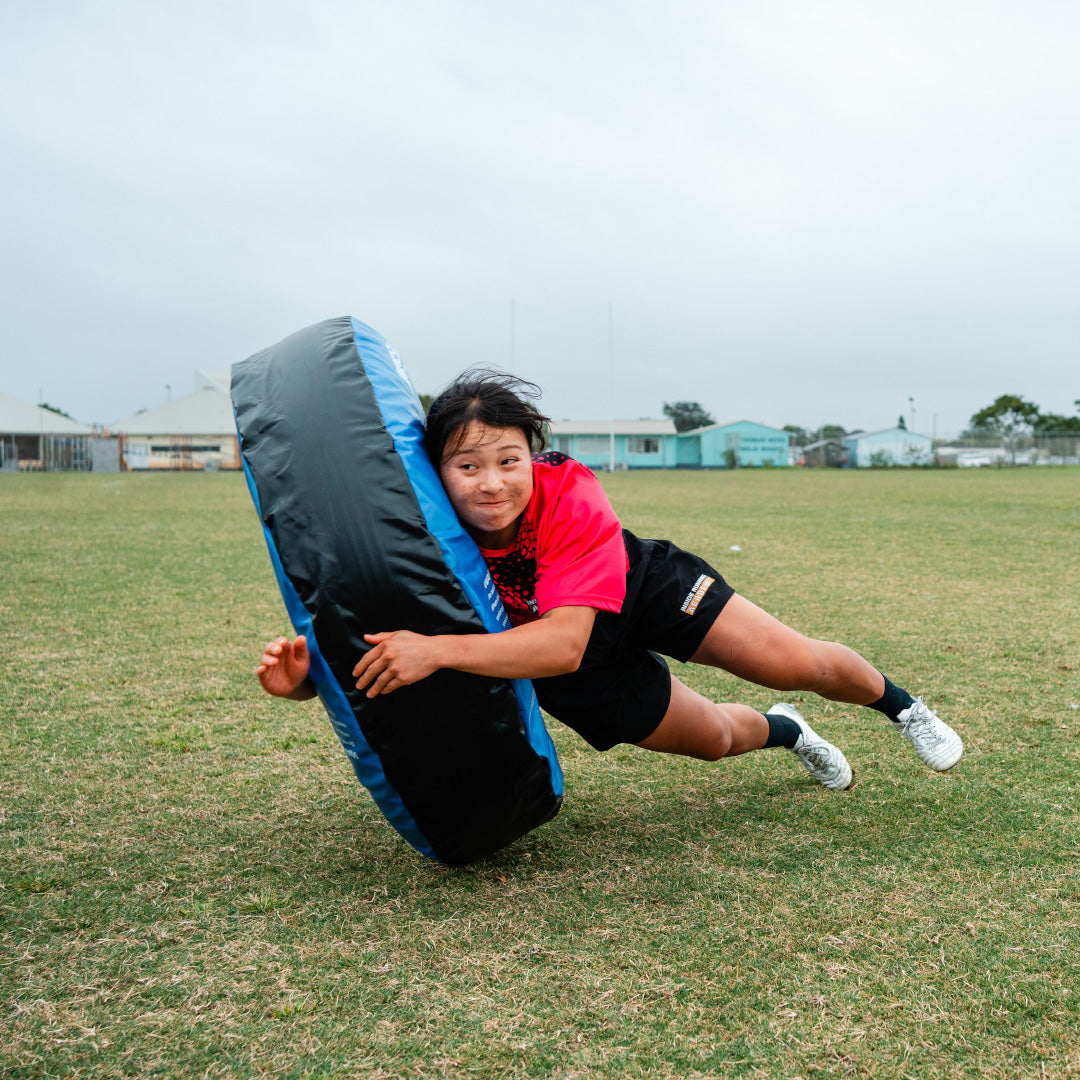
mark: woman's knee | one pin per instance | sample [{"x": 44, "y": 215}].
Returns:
[
  {"x": 713, "y": 736},
  {"x": 699, "y": 729}
]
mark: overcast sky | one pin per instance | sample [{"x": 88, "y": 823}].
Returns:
[{"x": 794, "y": 212}]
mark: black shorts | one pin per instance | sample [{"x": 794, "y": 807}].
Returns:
[{"x": 621, "y": 691}]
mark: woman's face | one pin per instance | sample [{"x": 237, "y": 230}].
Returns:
[{"x": 489, "y": 479}]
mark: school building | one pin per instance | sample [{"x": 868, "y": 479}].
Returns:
[
  {"x": 655, "y": 444},
  {"x": 743, "y": 444},
  {"x": 890, "y": 446},
  {"x": 32, "y": 437},
  {"x": 194, "y": 432},
  {"x": 633, "y": 444}
]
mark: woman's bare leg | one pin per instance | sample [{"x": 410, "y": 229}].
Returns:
[
  {"x": 753, "y": 645},
  {"x": 696, "y": 727}
]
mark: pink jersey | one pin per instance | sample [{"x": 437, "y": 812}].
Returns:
[{"x": 569, "y": 550}]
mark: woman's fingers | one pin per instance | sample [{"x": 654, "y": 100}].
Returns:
[
  {"x": 369, "y": 666},
  {"x": 372, "y": 656},
  {"x": 373, "y": 672},
  {"x": 272, "y": 650},
  {"x": 398, "y": 658},
  {"x": 283, "y": 654},
  {"x": 269, "y": 658},
  {"x": 379, "y": 686}
]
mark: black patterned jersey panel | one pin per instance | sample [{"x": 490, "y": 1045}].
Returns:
[{"x": 514, "y": 574}]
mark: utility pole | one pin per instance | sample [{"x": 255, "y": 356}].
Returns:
[{"x": 611, "y": 365}]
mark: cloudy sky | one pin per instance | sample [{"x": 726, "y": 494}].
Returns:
[{"x": 791, "y": 212}]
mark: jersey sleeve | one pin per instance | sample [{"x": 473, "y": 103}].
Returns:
[{"x": 581, "y": 557}]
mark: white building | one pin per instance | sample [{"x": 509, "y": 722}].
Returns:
[
  {"x": 197, "y": 431},
  {"x": 35, "y": 438},
  {"x": 891, "y": 446}
]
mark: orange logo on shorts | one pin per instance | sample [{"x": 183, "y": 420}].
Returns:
[{"x": 701, "y": 587}]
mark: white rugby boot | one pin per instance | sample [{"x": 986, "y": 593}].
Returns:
[
  {"x": 825, "y": 763},
  {"x": 935, "y": 742}
]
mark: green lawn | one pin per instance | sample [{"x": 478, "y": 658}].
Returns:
[{"x": 192, "y": 883}]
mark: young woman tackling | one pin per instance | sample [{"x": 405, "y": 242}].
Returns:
[{"x": 591, "y": 607}]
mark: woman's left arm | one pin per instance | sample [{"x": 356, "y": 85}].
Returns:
[{"x": 552, "y": 645}]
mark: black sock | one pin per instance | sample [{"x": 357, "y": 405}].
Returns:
[
  {"x": 783, "y": 731},
  {"x": 893, "y": 702}
]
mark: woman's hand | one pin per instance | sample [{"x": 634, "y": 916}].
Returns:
[
  {"x": 399, "y": 658},
  {"x": 283, "y": 669}
]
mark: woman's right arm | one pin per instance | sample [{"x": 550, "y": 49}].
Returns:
[
  {"x": 551, "y": 645},
  {"x": 283, "y": 669}
]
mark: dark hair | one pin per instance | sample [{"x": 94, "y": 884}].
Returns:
[{"x": 489, "y": 397}]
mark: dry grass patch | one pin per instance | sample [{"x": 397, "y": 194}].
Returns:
[{"x": 193, "y": 885}]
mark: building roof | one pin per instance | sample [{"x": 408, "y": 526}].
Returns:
[
  {"x": 208, "y": 411},
  {"x": 885, "y": 431},
  {"x": 19, "y": 417},
  {"x": 735, "y": 423},
  {"x": 204, "y": 378},
  {"x": 603, "y": 427}
]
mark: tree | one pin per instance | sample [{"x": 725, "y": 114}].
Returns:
[
  {"x": 1052, "y": 423},
  {"x": 53, "y": 409},
  {"x": 799, "y": 435},
  {"x": 901, "y": 423},
  {"x": 1008, "y": 416},
  {"x": 687, "y": 415},
  {"x": 830, "y": 431},
  {"x": 425, "y": 402}
]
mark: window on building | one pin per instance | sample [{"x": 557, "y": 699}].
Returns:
[
  {"x": 640, "y": 444},
  {"x": 562, "y": 444},
  {"x": 186, "y": 448}
]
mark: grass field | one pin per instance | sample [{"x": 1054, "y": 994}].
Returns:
[{"x": 192, "y": 883}]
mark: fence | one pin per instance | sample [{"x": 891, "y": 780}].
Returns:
[
  {"x": 1047, "y": 448},
  {"x": 47, "y": 453}
]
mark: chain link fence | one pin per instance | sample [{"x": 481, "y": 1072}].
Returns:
[
  {"x": 981, "y": 450},
  {"x": 44, "y": 453}
]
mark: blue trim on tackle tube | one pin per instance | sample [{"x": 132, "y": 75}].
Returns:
[
  {"x": 365, "y": 761},
  {"x": 404, "y": 420}
]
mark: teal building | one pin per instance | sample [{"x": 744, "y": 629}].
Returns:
[
  {"x": 743, "y": 444},
  {"x": 628, "y": 444}
]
